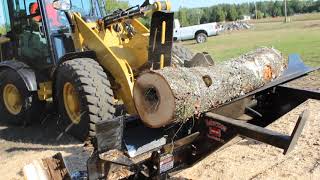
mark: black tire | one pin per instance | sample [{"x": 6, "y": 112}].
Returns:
[
  {"x": 201, "y": 38},
  {"x": 95, "y": 96},
  {"x": 180, "y": 55},
  {"x": 31, "y": 108}
]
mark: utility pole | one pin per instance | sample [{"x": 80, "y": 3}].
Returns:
[
  {"x": 285, "y": 11},
  {"x": 256, "y": 10}
]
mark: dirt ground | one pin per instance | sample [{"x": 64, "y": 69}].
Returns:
[
  {"x": 249, "y": 159},
  {"x": 246, "y": 159}
]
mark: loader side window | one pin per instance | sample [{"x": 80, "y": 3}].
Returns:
[
  {"x": 32, "y": 43},
  {"x": 4, "y": 18},
  {"x": 82, "y": 6}
]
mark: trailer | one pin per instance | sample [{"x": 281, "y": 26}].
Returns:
[{"x": 125, "y": 149}]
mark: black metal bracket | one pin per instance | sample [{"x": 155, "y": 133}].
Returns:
[
  {"x": 161, "y": 39},
  {"x": 109, "y": 134},
  {"x": 285, "y": 142}
]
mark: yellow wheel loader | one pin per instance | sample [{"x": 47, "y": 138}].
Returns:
[{"x": 74, "y": 54}]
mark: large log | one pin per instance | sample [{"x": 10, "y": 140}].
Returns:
[{"x": 171, "y": 95}]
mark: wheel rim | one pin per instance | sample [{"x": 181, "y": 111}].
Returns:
[
  {"x": 201, "y": 38},
  {"x": 71, "y": 102},
  {"x": 12, "y": 99}
]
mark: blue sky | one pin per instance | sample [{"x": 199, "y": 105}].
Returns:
[{"x": 194, "y": 3}]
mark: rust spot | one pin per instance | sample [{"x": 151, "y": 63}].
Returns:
[{"x": 267, "y": 73}]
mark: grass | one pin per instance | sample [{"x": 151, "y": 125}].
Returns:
[{"x": 302, "y": 37}]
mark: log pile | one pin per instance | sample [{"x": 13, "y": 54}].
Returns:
[
  {"x": 170, "y": 95},
  {"x": 235, "y": 26}
]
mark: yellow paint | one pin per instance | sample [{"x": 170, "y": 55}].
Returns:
[
  {"x": 71, "y": 102},
  {"x": 45, "y": 91},
  {"x": 12, "y": 99},
  {"x": 169, "y": 5},
  {"x": 118, "y": 52},
  {"x": 163, "y": 41},
  {"x": 161, "y": 61},
  {"x": 163, "y": 35},
  {"x": 158, "y": 6}
]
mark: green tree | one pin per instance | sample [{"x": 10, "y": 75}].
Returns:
[
  {"x": 213, "y": 14},
  {"x": 182, "y": 16},
  {"x": 316, "y": 6},
  {"x": 260, "y": 14},
  {"x": 244, "y": 9},
  {"x": 112, "y": 5},
  {"x": 262, "y": 7},
  {"x": 277, "y": 9},
  {"x": 221, "y": 15},
  {"x": 205, "y": 17},
  {"x": 232, "y": 13},
  {"x": 252, "y": 9},
  {"x": 296, "y": 5},
  {"x": 193, "y": 17},
  {"x": 270, "y": 6}
]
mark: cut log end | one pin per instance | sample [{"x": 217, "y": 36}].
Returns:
[{"x": 155, "y": 109}]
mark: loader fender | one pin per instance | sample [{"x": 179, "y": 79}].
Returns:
[
  {"x": 26, "y": 73},
  {"x": 75, "y": 55}
]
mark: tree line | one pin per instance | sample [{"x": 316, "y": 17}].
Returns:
[{"x": 233, "y": 12}]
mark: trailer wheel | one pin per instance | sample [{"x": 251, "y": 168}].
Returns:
[
  {"x": 17, "y": 105},
  {"x": 201, "y": 38},
  {"x": 180, "y": 55},
  {"x": 84, "y": 97}
]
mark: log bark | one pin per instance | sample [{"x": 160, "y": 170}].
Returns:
[
  {"x": 170, "y": 95},
  {"x": 46, "y": 169}
]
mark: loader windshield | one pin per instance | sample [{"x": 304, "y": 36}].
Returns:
[
  {"x": 88, "y": 8},
  {"x": 82, "y": 6}
]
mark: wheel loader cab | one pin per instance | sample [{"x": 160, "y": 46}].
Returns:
[
  {"x": 27, "y": 41},
  {"x": 40, "y": 35}
]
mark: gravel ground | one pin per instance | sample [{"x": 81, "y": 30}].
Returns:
[{"x": 246, "y": 159}]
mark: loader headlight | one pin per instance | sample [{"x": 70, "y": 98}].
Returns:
[{"x": 62, "y": 5}]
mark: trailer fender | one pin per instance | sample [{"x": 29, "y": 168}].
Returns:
[{"x": 25, "y": 72}]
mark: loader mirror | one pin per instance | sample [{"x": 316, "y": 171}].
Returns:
[{"x": 62, "y": 5}]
